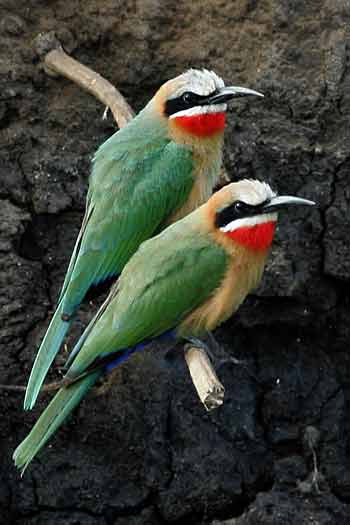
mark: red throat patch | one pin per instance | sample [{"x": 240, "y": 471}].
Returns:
[
  {"x": 258, "y": 237},
  {"x": 204, "y": 124}
]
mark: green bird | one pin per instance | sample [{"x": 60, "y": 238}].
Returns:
[
  {"x": 157, "y": 169},
  {"x": 180, "y": 284}
]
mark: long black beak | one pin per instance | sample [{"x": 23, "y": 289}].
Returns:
[
  {"x": 279, "y": 203},
  {"x": 228, "y": 93}
]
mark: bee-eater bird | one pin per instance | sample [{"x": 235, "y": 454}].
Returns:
[
  {"x": 157, "y": 169},
  {"x": 182, "y": 283}
]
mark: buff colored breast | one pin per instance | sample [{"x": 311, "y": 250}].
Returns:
[
  {"x": 206, "y": 176},
  {"x": 243, "y": 274}
]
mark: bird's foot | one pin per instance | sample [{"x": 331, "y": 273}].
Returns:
[
  {"x": 221, "y": 354},
  {"x": 231, "y": 360},
  {"x": 215, "y": 352}
]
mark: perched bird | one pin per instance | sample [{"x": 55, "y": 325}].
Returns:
[
  {"x": 155, "y": 170},
  {"x": 182, "y": 283}
]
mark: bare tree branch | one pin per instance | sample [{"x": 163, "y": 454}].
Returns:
[
  {"x": 59, "y": 62},
  {"x": 50, "y": 387},
  {"x": 210, "y": 390}
]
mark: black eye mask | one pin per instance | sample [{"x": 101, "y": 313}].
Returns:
[
  {"x": 186, "y": 101},
  {"x": 238, "y": 210}
]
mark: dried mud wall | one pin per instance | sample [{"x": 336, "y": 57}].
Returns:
[{"x": 146, "y": 452}]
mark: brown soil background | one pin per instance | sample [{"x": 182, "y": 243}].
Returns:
[{"x": 146, "y": 452}]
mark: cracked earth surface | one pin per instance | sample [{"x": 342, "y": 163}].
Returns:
[{"x": 146, "y": 452}]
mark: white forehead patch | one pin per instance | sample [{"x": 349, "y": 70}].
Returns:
[
  {"x": 201, "y": 82},
  {"x": 252, "y": 191},
  {"x": 248, "y": 222}
]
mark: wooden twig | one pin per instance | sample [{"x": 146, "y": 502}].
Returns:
[
  {"x": 59, "y": 62},
  {"x": 55, "y": 60},
  {"x": 210, "y": 390},
  {"x": 50, "y": 387}
]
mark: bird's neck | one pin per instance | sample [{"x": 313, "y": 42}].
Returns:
[
  {"x": 202, "y": 133},
  {"x": 246, "y": 266},
  {"x": 243, "y": 274},
  {"x": 202, "y": 125},
  {"x": 247, "y": 250},
  {"x": 257, "y": 238}
]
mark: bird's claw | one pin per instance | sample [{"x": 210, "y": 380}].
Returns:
[{"x": 214, "y": 350}]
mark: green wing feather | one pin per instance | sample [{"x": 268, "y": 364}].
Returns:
[
  {"x": 135, "y": 200},
  {"x": 88, "y": 211},
  {"x": 164, "y": 281},
  {"x": 138, "y": 181}
]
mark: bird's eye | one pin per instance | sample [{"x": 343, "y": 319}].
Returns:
[
  {"x": 239, "y": 207},
  {"x": 188, "y": 97}
]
